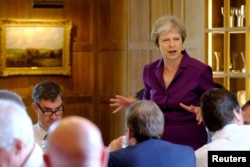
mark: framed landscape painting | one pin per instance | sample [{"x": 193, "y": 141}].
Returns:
[{"x": 34, "y": 47}]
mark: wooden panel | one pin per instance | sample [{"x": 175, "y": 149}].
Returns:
[
  {"x": 118, "y": 22},
  {"x": 111, "y": 65},
  {"x": 194, "y": 21},
  {"x": 82, "y": 14},
  {"x": 113, "y": 25},
  {"x": 84, "y": 110},
  {"x": 112, "y": 125},
  {"x": 82, "y": 77},
  {"x": 15, "y": 9},
  {"x": 139, "y": 27},
  {"x": 139, "y": 58},
  {"x": 111, "y": 72},
  {"x": 159, "y": 8},
  {"x": 138, "y": 42},
  {"x": 178, "y": 8}
]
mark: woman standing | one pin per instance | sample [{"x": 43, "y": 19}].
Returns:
[{"x": 175, "y": 83}]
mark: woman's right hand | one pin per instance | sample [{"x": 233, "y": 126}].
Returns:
[{"x": 121, "y": 101}]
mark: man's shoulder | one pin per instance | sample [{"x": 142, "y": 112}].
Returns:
[
  {"x": 162, "y": 143},
  {"x": 156, "y": 144},
  {"x": 154, "y": 152}
]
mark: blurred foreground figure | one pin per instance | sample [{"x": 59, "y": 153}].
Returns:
[
  {"x": 75, "y": 142},
  {"x": 17, "y": 144},
  {"x": 13, "y": 96}
]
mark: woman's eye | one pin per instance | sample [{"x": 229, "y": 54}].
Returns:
[{"x": 166, "y": 40}]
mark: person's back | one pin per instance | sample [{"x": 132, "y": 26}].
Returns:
[
  {"x": 77, "y": 142},
  {"x": 144, "y": 127},
  {"x": 231, "y": 137},
  {"x": 223, "y": 117},
  {"x": 153, "y": 153}
]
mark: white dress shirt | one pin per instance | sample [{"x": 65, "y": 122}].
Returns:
[
  {"x": 36, "y": 158},
  {"x": 231, "y": 137},
  {"x": 39, "y": 133}
]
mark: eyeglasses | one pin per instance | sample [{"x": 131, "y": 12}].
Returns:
[{"x": 49, "y": 112}]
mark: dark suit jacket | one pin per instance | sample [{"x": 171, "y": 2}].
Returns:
[{"x": 153, "y": 153}]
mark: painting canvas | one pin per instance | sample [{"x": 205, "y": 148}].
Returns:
[{"x": 35, "y": 47}]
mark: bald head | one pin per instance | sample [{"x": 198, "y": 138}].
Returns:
[{"x": 75, "y": 141}]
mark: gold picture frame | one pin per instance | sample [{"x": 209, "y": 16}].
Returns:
[{"x": 34, "y": 47}]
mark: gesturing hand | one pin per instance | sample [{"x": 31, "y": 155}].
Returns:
[
  {"x": 194, "y": 109},
  {"x": 121, "y": 101}
]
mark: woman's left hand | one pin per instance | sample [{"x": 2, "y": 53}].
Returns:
[{"x": 194, "y": 109}]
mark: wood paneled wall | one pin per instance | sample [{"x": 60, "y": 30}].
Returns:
[
  {"x": 97, "y": 52},
  {"x": 110, "y": 44}
]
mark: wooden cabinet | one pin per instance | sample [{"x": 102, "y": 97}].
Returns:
[{"x": 227, "y": 44}]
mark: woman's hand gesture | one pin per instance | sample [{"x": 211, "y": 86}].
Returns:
[
  {"x": 194, "y": 109},
  {"x": 121, "y": 101}
]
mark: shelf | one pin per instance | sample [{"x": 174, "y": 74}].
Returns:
[
  {"x": 228, "y": 29},
  {"x": 227, "y": 41},
  {"x": 230, "y": 75}
]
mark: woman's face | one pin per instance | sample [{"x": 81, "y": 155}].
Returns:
[{"x": 170, "y": 45}]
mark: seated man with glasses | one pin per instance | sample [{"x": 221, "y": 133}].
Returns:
[{"x": 47, "y": 102}]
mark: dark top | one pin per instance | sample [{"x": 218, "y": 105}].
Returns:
[
  {"x": 153, "y": 153},
  {"x": 191, "y": 80}
]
